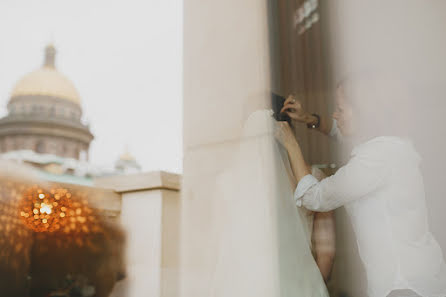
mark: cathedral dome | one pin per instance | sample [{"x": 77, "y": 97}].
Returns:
[
  {"x": 45, "y": 115},
  {"x": 47, "y": 81},
  {"x": 127, "y": 164}
]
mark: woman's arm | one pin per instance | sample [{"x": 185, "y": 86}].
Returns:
[
  {"x": 297, "y": 162},
  {"x": 324, "y": 242},
  {"x": 285, "y": 135}
]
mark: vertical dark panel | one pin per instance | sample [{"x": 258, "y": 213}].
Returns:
[{"x": 299, "y": 67}]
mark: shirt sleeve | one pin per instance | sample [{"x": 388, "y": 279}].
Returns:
[
  {"x": 307, "y": 182},
  {"x": 362, "y": 175}
]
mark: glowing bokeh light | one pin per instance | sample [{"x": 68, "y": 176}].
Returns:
[{"x": 57, "y": 210}]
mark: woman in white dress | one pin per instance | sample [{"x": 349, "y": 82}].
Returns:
[
  {"x": 381, "y": 188},
  {"x": 263, "y": 241}
]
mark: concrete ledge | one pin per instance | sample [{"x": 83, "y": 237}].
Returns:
[{"x": 140, "y": 182}]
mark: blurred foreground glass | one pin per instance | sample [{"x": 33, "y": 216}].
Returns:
[{"x": 57, "y": 240}]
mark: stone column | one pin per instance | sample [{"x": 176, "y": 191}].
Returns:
[{"x": 225, "y": 65}]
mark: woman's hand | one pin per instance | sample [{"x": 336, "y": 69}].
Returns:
[
  {"x": 284, "y": 134},
  {"x": 294, "y": 109}
]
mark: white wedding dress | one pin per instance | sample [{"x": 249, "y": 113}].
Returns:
[{"x": 264, "y": 240}]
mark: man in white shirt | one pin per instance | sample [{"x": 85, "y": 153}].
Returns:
[{"x": 382, "y": 190}]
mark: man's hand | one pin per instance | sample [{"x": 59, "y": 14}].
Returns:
[{"x": 294, "y": 109}]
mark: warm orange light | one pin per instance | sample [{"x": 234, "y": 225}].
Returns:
[
  {"x": 45, "y": 208},
  {"x": 57, "y": 210}
]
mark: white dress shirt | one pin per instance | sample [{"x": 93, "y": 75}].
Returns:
[{"x": 382, "y": 190}]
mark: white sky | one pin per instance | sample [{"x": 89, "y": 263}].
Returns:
[{"x": 124, "y": 58}]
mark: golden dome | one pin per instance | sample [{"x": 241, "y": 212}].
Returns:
[
  {"x": 126, "y": 156},
  {"x": 47, "y": 81}
]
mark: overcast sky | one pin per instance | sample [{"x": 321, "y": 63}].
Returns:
[{"x": 124, "y": 58}]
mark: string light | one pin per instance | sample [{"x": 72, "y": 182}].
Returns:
[{"x": 57, "y": 210}]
